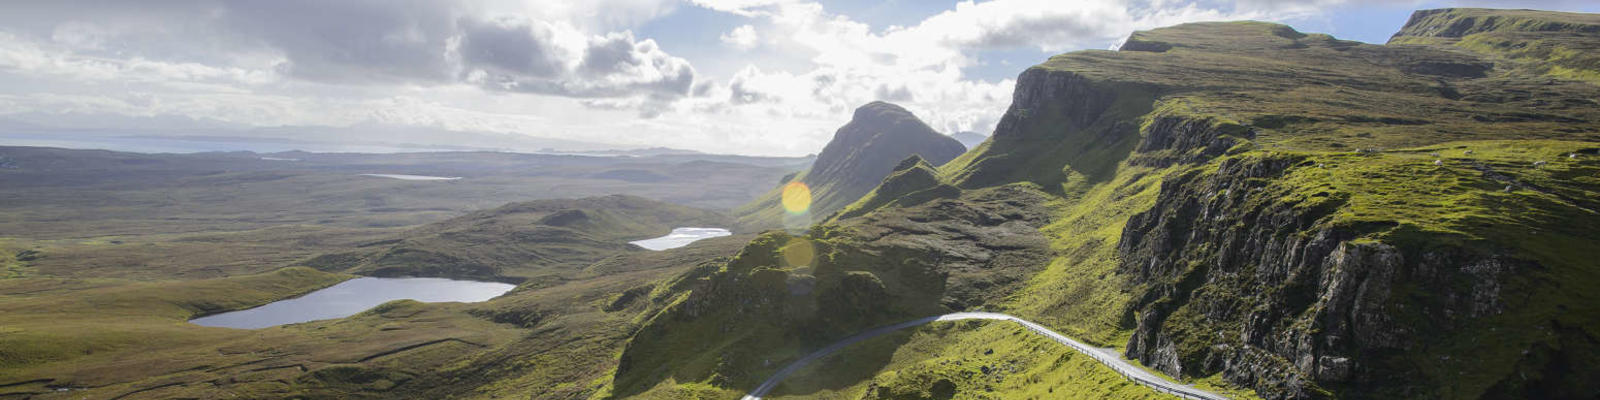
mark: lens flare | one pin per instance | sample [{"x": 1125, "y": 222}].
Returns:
[
  {"x": 796, "y": 198},
  {"x": 798, "y": 252}
]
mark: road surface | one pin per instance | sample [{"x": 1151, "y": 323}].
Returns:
[{"x": 1109, "y": 358}]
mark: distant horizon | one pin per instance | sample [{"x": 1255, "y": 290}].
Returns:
[
  {"x": 221, "y": 145},
  {"x": 759, "y": 78}
]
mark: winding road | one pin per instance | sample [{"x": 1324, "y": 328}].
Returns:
[{"x": 1107, "y": 357}]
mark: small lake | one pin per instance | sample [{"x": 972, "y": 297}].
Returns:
[
  {"x": 414, "y": 177},
  {"x": 354, "y": 296},
  {"x": 681, "y": 237}
]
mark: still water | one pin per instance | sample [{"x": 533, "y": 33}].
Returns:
[
  {"x": 681, "y": 237},
  {"x": 353, "y": 296}
]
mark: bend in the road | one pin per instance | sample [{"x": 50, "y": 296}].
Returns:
[{"x": 1123, "y": 367}]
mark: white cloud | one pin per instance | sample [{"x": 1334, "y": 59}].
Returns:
[
  {"x": 921, "y": 66},
  {"x": 743, "y": 38},
  {"x": 781, "y": 81}
]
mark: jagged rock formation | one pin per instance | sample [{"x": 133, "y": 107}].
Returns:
[{"x": 861, "y": 154}]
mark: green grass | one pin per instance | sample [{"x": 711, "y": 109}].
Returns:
[
  {"x": 1554, "y": 44},
  {"x": 977, "y": 359},
  {"x": 1305, "y": 98},
  {"x": 105, "y": 306},
  {"x": 10, "y": 266}
]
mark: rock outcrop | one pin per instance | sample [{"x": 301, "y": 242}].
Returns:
[{"x": 862, "y": 153}]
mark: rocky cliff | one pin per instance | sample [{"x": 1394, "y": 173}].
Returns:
[
  {"x": 1246, "y": 205},
  {"x": 1406, "y": 244}
]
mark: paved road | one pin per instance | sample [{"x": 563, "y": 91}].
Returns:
[{"x": 1107, "y": 357}]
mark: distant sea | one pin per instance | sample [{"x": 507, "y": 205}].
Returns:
[{"x": 158, "y": 144}]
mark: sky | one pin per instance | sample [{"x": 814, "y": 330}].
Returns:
[{"x": 760, "y": 77}]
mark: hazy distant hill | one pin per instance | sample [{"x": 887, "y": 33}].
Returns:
[
  {"x": 521, "y": 240},
  {"x": 969, "y": 139},
  {"x": 861, "y": 154},
  {"x": 122, "y": 133}
]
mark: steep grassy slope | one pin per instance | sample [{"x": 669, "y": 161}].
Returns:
[
  {"x": 1238, "y": 204},
  {"x": 1558, "y": 45},
  {"x": 731, "y": 324},
  {"x": 1244, "y": 238},
  {"x": 519, "y": 241},
  {"x": 861, "y": 154}
]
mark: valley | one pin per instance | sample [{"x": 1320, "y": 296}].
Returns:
[{"x": 1213, "y": 210}]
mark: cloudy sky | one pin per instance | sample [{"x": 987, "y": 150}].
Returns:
[{"x": 771, "y": 77}]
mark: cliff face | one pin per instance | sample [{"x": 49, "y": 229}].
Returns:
[
  {"x": 1330, "y": 218},
  {"x": 861, "y": 154},
  {"x": 1269, "y": 294},
  {"x": 1288, "y": 213}
]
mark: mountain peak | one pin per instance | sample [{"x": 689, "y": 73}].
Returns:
[
  {"x": 878, "y": 137},
  {"x": 881, "y": 109}
]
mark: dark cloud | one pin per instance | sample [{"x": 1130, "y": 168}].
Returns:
[
  {"x": 510, "y": 47},
  {"x": 896, "y": 94},
  {"x": 739, "y": 93},
  {"x": 373, "y": 42},
  {"x": 613, "y": 65},
  {"x": 1033, "y": 30},
  {"x": 353, "y": 41}
]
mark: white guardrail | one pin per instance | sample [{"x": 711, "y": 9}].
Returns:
[{"x": 1127, "y": 370}]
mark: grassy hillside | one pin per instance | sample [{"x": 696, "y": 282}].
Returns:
[
  {"x": 1560, "y": 45},
  {"x": 111, "y": 338},
  {"x": 1253, "y": 209},
  {"x": 731, "y": 324},
  {"x": 1245, "y": 205}
]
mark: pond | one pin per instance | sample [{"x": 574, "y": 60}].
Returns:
[
  {"x": 354, "y": 296},
  {"x": 681, "y": 237}
]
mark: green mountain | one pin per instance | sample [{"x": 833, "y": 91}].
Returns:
[
  {"x": 1262, "y": 211},
  {"x": 520, "y": 241},
  {"x": 861, "y": 154}
]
